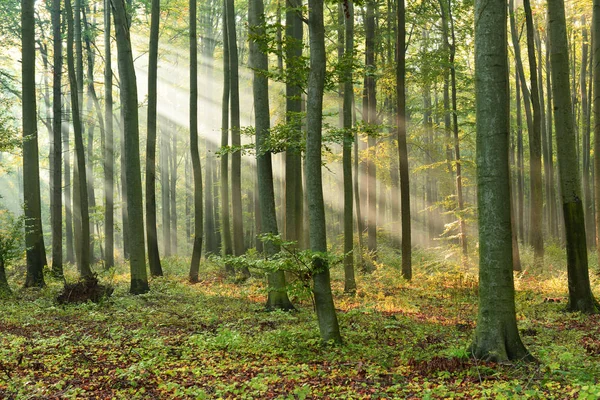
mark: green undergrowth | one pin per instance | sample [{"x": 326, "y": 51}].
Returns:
[{"x": 213, "y": 339}]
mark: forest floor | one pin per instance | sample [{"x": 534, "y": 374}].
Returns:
[{"x": 213, "y": 340}]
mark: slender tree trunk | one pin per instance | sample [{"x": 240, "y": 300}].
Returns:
[
  {"x": 165, "y": 193},
  {"x": 328, "y": 323},
  {"x": 496, "y": 336},
  {"x": 580, "y": 293},
  {"x": 236, "y": 156},
  {"x": 82, "y": 217},
  {"x": 173, "y": 181},
  {"x": 195, "y": 154},
  {"x": 67, "y": 185},
  {"x": 554, "y": 212},
  {"x": 520, "y": 163},
  {"x": 596, "y": 112},
  {"x": 35, "y": 253},
  {"x": 129, "y": 101},
  {"x": 535, "y": 148},
  {"x": 349, "y": 280},
  {"x": 370, "y": 116},
  {"x": 586, "y": 136},
  {"x": 109, "y": 157},
  {"x": 151, "y": 232},
  {"x": 56, "y": 170},
  {"x": 227, "y": 246},
  {"x": 402, "y": 148}
]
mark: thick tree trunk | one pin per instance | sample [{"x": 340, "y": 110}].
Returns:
[
  {"x": 151, "y": 231},
  {"x": 34, "y": 243},
  {"x": 590, "y": 227},
  {"x": 195, "y": 154},
  {"x": 496, "y": 337},
  {"x": 277, "y": 298},
  {"x": 129, "y": 101},
  {"x": 580, "y": 293},
  {"x": 328, "y": 323},
  {"x": 294, "y": 205}
]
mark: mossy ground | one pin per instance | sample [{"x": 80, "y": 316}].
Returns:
[{"x": 213, "y": 339}]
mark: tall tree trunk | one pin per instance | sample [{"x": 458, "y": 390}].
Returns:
[
  {"x": 520, "y": 164},
  {"x": 294, "y": 207},
  {"x": 151, "y": 231},
  {"x": 402, "y": 148},
  {"x": 580, "y": 293},
  {"x": 109, "y": 157},
  {"x": 129, "y": 101},
  {"x": 165, "y": 192},
  {"x": 535, "y": 148},
  {"x": 35, "y": 253},
  {"x": 56, "y": 171},
  {"x": 370, "y": 116},
  {"x": 349, "y": 280},
  {"x": 195, "y": 154},
  {"x": 554, "y": 212},
  {"x": 227, "y": 246},
  {"x": 328, "y": 323},
  {"x": 496, "y": 336},
  {"x": 596, "y": 112},
  {"x": 277, "y": 298},
  {"x": 236, "y": 156},
  {"x": 590, "y": 227},
  {"x": 459, "y": 187},
  {"x": 173, "y": 181},
  {"x": 81, "y": 210},
  {"x": 67, "y": 191}
]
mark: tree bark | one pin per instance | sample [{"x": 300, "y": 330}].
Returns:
[
  {"x": 328, "y": 323},
  {"x": 129, "y": 101},
  {"x": 151, "y": 231},
  {"x": 596, "y": 112},
  {"x": 35, "y": 253},
  {"x": 370, "y": 117},
  {"x": 277, "y": 298},
  {"x": 496, "y": 336},
  {"x": 402, "y": 148},
  {"x": 580, "y": 293},
  {"x": 195, "y": 154},
  {"x": 109, "y": 157},
  {"x": 227, "y": 245}
]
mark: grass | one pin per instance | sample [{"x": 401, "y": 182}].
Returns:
[{"x": 213, "y": 340}]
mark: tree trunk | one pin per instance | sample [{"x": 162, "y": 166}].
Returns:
[
  {"x": 109, "y": 157},
  {"x": 520, "y": 164},
  {"x": 129, "y": 101},
  {"x": 151, "y": 231},
  {"x": 278, "y": 298},
  {"x": 165, "y": 192},
  {"x": 349, "y": 280},
  {"x": 56, "y": 171},
  {"x": 580, "y": 293},
  {"x": 294, "y": 219},
  {"x": 82, "y": 216},
  {"x": 67, "y": 185},
  {"x": 552, "y": 194},
  {"x": 35, "y": 252},
  {"x": 496, "y": 336},
  {"x": 402, "y": 148},
  {"x": 195, "y": 154},
  {"x": 535, "y": 148},
  {"x": 596, "y": 112},
  {"x": 586, "y": 136},
  {"x": 370, "y": 117},
  {"x": 236, "y": 156},
  {"x": 328, "y": 323},
  {"x": 227, "y": 246}
]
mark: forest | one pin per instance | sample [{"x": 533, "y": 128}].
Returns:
[{"x": 299, "y": 199}]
